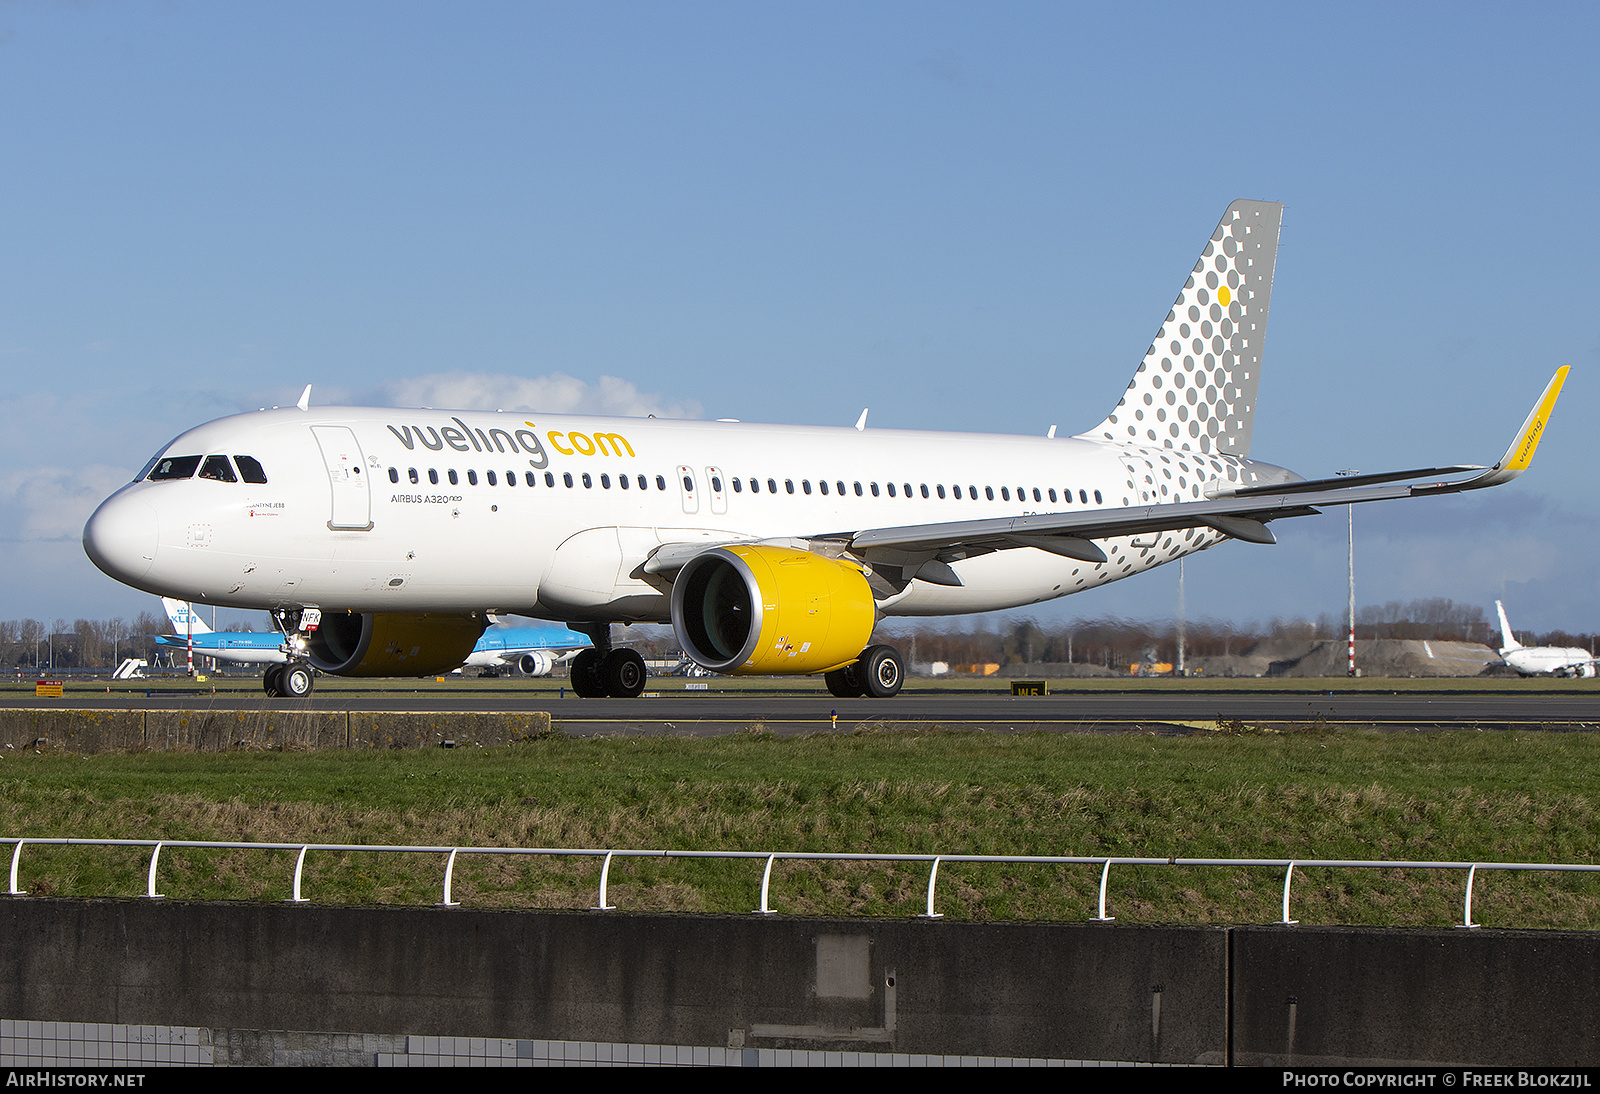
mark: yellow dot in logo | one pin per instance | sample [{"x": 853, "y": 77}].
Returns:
[{"x": 1224, "y": 296}]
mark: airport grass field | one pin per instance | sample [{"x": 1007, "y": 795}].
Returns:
[{"x": 1229, "y": 793}]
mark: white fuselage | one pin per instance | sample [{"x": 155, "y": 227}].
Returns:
[
  {"x": 387, "y": 510},
  {"x": 1550, "y": 660}
]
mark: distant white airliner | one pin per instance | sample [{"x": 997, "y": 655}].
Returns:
[
  {"x": 532, "y": 650},
  {"x": 1542, "y": 660},
  {"x": 383, "y": 539}
]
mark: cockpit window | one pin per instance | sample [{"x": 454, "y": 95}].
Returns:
[
  {"x": 250, "y": 469},
  {"x": 218, "y": 468},
  {"x": 175, "y": 467}
]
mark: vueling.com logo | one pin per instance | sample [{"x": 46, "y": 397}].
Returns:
[{"x": 525, "y": 441}]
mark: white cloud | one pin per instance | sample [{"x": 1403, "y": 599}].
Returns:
[
  {"x": 52, "y": 503},
  {"x": 556, "y": 393}
]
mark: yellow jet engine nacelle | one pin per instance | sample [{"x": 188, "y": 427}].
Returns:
[
  {"x": 749, "y": 609},
  {"x": 346, "y": 644}
]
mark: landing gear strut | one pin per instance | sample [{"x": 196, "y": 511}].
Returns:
[
  {"x": 605, "y": 670},
  {"x": 878, "y": 673}
]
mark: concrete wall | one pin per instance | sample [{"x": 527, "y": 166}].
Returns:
[
  {"x": 83, "y": 732},
  {"x": 1332, "y": 995},
  {"x": 1109, "y": 992},
  {"x": 1078, "y": 991}
]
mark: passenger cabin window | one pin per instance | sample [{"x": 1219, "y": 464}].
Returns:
[
  {"x": 218, "y": 469},
  {"x": 175, "y": 467},
  {"x": 455, "y": 479},
  {"x": 532, "y": 479},
  {"x": 661, "y": 482},
  {"x": 472, "y": 478},
  {"x": 492, "y": 480},
  {"x": 411, "y": 473},
  {"x": 433, "y": 475},
  {"x": 250, "y": 470},
  {"x": 394, "y": 474}
]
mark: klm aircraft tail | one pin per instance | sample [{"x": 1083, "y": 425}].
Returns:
[
  {"x": 1196, "y": 387},
  {"x": 180, "y": 613}
]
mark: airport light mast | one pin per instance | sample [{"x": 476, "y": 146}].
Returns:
[{"x": 1350, "y": 514}]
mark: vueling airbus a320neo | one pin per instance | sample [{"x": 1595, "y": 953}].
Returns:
[{"x": 382, "y": 539}]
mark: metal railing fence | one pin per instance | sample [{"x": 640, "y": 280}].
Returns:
[{"x": 1288, "y": 866}]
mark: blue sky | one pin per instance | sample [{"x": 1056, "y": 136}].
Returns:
[{"x": 965, "y": 216}]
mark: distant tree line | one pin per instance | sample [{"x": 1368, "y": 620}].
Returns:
[{"x": 31, "y": 644}]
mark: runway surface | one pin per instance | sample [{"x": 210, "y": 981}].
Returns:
[{"x": 691, "y": 713}]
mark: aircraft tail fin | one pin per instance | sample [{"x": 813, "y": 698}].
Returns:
[
  {"x": 180, "y": 612},
  {"x": 1196, "y": 387},
  {"x": 1506, "y": 636}
]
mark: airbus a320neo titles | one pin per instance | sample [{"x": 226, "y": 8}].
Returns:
[{"x": 383, "y": 539}]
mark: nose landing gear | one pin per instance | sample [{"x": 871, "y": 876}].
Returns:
[
  {"x": 294, "y": 679},
  {"x": 290, "y": 681}
]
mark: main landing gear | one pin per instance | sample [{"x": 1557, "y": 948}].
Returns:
[
  {"x": 291, "y": 681},
  {"x": 605, "y": 670},
  {"x": 878, "y": 673}
]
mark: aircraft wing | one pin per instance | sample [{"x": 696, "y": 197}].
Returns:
[
  {"x": 925, "y": 550},
  {"x": 1241, "y": 512}
]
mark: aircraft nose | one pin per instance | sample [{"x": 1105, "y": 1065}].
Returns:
[{"x": 121, "y": 538}]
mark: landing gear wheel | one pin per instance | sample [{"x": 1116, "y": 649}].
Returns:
[
  {"x": 272, "y": 682},
  {"x": 587, "y": 680},
  {"x": 295, "y": 680},
  {"x": 881, "y": 671},
  {"x": 845, "y": 683},
  {"x": 624, "y": 674}
]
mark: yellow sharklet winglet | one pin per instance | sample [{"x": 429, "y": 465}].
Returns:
[{"x": 1520, "y": 454}]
